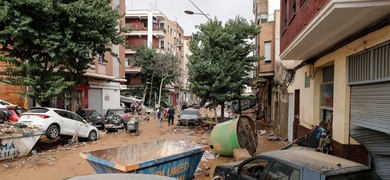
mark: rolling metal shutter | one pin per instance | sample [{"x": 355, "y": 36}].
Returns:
[{"x": 370, "y": 123}]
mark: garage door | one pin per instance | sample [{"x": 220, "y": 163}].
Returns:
[
  {"x": 95, "y": 100},
  {"x": 370, "y": 123}
]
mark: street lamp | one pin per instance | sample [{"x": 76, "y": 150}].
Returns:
[{"x": 201, "y": 12}]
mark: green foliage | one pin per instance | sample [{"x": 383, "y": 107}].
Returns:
[
  {"x": 163, "y": 68},
  {"x": 50, "y": 44},
  {"x": 220, "y": 60}
]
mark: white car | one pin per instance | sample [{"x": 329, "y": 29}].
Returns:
[{"x": 56, "y": 122}]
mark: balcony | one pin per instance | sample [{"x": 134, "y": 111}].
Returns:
[
  {"x": 143, "y": 31},
  {"x": 337, "y": 21}
]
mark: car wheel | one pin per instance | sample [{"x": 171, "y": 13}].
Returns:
[
  {"x": 52, "y": 132},
  {"x": 92, "y": 135},
  {"x": 116, "y": 119}
]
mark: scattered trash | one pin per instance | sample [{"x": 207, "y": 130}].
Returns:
[
  {"x": 261, "y": 132},
  {"x": 272, "y": 138}
]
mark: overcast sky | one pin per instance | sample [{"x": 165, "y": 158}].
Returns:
[{"x": 222, "y": 9}]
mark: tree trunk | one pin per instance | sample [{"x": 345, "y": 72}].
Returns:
[
  {"x": 73, "y": 102},
  {"x": 144, "y": 94},
  {"x": 223, "y": 110},
  {"x": 215, "y": 115},
  {"x": 160, "y": 91}
]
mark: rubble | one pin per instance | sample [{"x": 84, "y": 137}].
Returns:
[{"x": 10, "y": 128}]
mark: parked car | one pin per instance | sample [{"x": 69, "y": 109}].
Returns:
[
  {"x": 295, "y": 165},
  {"x": 13, "y": 112},
  {"x": 94, "y": 118},
  {"x": 113, "y": 119},
  {"x": 3, "y": 116},
  {"x": 5, "y": 103},
  {"x": 56, "y": 122},
  {"x": 189, "y": 117}
]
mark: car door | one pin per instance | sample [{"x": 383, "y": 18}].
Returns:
[
  {"x": 66, "y": 126},
  {"x": 80, "y": 126},
  {"x": 250, "y": 169}
]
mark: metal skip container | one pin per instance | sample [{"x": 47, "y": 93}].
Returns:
[
  {"x": 17, "y": 142},
  {"x": 238, "y": 133},
  {"x": 163, "y": 157}
]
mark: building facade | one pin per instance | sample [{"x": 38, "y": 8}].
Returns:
[
  {"x": 274, "y": 91},
  {"x": 342, "y": 74},
  {"x": 164, "y": 35},
  {"x": 101, "y": 90}
]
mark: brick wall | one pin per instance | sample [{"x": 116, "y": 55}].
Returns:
[{"x": 295, "y": 23}]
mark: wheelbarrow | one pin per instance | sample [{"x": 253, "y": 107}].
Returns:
[{"x": 133, "y": 126}]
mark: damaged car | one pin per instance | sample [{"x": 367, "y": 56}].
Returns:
[
  {"x": 294, "y": 164},
  {"x": 59, "y": 122}
]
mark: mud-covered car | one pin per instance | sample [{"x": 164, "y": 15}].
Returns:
[
  {"x": 113, "y": 120},
  {"x": 94, "y": 118},
  {"x": 189, "y": 117},
  {"x": 294, "y": 165}
]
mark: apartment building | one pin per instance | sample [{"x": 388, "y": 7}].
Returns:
[
  {"x": 274, "y": 92},
  {"x": 101, "y": 90},
  {"x": 342, "y": 74},
  {"x": 153, "y": 29}
]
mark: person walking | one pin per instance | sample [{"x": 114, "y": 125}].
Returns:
[
  {"x": 159, "y": 116},
  {"x": 80, "y": 112},
  {"x": 171, "y": 116}
]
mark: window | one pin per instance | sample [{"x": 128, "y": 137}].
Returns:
[
  {"x": 162, "y": 44},
  {"x": 267, "y": 51},
  {"x": 282, "y": 171},
  {"x": 293, "y": 8},
  {"x": 326, "y": 95},
  {"x": 161, "y": 25},
  {"x": 284, "y": 9},
  {"x": 303, "y": 2},
  {"x": 253, "y": 168},
  {"x": 146, "y": 24}
]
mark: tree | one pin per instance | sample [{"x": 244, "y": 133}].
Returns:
[
  {"x": 163, "y": 68},
  {"x": 50, "y": 44},
  {"x": 220, "y": 60}
]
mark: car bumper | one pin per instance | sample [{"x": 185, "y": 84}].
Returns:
[{"x": 114, "y": 126}]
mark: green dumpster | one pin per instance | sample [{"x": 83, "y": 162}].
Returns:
[{"x": 238, "y": 133}]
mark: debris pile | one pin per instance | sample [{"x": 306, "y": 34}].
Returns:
[{"x": 10, "y": 128}]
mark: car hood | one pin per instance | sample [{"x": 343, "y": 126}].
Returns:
[{"x": 188, "y": 117}]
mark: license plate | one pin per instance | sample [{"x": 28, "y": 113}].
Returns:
[{"x": 98, "y": 125}]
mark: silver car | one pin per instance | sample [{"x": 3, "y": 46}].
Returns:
[
  {"x": 56, "y": 122},
  {"x": 189, "y": 117}
]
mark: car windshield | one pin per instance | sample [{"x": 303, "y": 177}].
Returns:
[
  {"x": 111, "y": 113},
  {"x": 92, "y": 114},
  {"x": 190, "y": 112},
  {"x": 37, "y": 110},
  {"x": 20, "y": 110},
  {"x": 369, "y": 174}
]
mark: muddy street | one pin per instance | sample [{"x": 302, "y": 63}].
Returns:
[{"x": 59, "y": 160}]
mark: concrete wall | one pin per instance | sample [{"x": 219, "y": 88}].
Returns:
[{"x": 309, "y": 102}]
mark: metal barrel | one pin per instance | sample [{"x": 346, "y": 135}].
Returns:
[{"x": 238, "y": 133}]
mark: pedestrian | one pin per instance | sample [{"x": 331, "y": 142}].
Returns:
[
  {"x": 171, "y": 116},
  {"x": 165, "y": 113},
  {"x": 126, "y": 118},
  {"x": 132, "y": 106},
  {"x": 159, "y": 116},
  {"x": 80, "y": 112}
]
